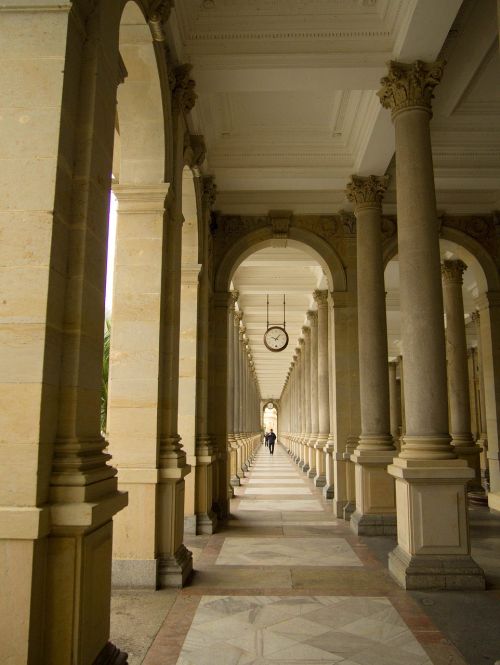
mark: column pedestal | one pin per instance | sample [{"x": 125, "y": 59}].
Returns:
[
  {"x": 328, "y": 489},
  {"x": 375, "y": 513},
  {"x": 433, "y": 545}
]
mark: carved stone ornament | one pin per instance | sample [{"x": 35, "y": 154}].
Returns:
[
  {"x": 195, "y": 150},
  {"x": 348, "y": 221},
  {"x": 209, "y": 192},
  {"x": 233, "y": 298},
  {"x": 158, "y": 15},
  {"x": 312, "y": 315},
  {"x": 280, "y": 223},
  {"x": 410, "y": 85},
  {"x": 453, "y": 271},
  {"x": 183, "y": 94},
  {"x": 320, "y": 297},
  {"x": 367, "y": 190}
]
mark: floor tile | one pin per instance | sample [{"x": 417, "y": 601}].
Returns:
[{"x": 305, "y": 505}]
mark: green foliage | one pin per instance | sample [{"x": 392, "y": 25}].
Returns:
[{"x": 105, "y": 375}]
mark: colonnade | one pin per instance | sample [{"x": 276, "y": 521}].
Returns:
[
  {"x": 405, "y": 463},
  {"x": 243, "y": 397},
  {"x": 305, "y": 401}
]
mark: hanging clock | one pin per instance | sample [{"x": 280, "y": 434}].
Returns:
[{"x": 276, "y": 337}]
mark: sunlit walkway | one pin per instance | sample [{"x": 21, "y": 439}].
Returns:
[{"x": 284, "y": 582}]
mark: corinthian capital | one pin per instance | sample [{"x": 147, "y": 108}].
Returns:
[
  {"x": 183, "y": 94},
  {"x": 410, "y": 85},
  {"x": 209, "y": 193},
  {"x": 453, "y": 271},
  {"x": 367, "y": 191},
  {"x": 321, "y": 297}
]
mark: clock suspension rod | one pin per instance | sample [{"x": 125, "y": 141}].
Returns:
[
  {"x": 284, "y": 318},
  {"x": 267, "y": 312}
]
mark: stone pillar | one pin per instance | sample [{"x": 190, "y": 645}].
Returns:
[
  {"x": 324, "y": 477},
  {"x": 306, "y": 331},
  {"x": 232, "y": 389},
  {"x": 242, "y": 398},
  {"x": 458, "y": 378},
  {"x": 489, "y": 310},
  {"x": 395, "y": 403},
  {"x": 433, "y": 545},
  {"x": 482, "y": 440},
  {"x": 375, "y": 512},
  {"x": 302, "y": 405},
  {"x": 317, "y": 461},
  {"x": 133, "y": 395},
  {"x": 205, "y": 453}
]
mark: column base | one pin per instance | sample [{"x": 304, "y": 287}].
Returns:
[
  {"x": 305, "y": 467},
  {"x": 190, "y": 524},
  {"x": 494, "y": 500},
  {"x": 329, "y": 492},
  {"x": 173, "y": 571},
  {"x": 471, "y": 454},
  {"x": 320, "y": 481},
  {"x": 135, "y": 573},
  {"x": 235, "y": 481},
  {"x": 435, "y": 572},
  {"x": 301, "y": 463},
  {"x": 311, "y": 473},
  {"x": 373, "y": 525},
  {"x": 206, "y": 523},
  {"x": 111, "y": 655},
  {"x": 348, "y": 510}
]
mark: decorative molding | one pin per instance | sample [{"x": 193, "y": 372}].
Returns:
[
  {"x": 370, "y": 190},
  {"x": 410, "y": 85},
  {"x": 453, "y": 271},
  {"x": 195, "y": 150},
  {"x": 485, "y": 229},
  {"x": 183, "y": 94},
  {"x": 280, "y": 223},
  {"x": 209, "y": 192},
  {"x": 158, "y": 15}
]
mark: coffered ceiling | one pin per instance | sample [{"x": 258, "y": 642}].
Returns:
[{"x": 288, "y": 108}]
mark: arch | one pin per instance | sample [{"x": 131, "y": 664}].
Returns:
[
  {"x": 302, "y": 239},
  {"x": 473, "y": 254},
  {"x": 140, "y": 125}
]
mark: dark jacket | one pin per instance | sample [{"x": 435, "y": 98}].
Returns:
[{"x": 271, "y": 437}]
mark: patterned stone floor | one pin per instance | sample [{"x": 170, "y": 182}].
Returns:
[{"x": 285, "y": 582}]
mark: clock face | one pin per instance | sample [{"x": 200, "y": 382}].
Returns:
[{"x": 276, "y": 339}]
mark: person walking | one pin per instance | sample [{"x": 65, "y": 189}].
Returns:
[
  {"x": 266, "y": 439},
  {"x": 271, "y": 438}
]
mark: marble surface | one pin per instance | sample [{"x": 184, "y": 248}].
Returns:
[
  {"x": 273, "y": 630},
  {"x": 277, "y": 490},
  {"x": 270, "y": 482},
  {"x": 287, "y": 552},
  {"x": 299, "y": 505}
]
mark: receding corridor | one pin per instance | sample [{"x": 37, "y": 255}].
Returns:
[{"x": 285, "y": 582}]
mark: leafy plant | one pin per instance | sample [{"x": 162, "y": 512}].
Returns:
[{"x": 105, "y": 375}]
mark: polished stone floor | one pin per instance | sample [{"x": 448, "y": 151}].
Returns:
[{"x": 284, "y": 582}]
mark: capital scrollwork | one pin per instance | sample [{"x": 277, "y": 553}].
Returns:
[
  {"x": 453, "y": 271},
  {"x": 209, "y": 192},
  {"x": 321, "y": 297},
  {"x": 312, "y": 315},
  {"x": 158, "y": 15},
  {"x": 410, "y": 85},
  {"x": 183, "y": 94},
  {"x": 368, "y": 190}
]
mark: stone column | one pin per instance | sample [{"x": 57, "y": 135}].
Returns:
[
  {"x": 395, "y": 402},
  {"x": 317, "y": 455},
  {"x": 458, "y": 377},
  {"x": 324, "y": 477},
  {"x": 482, "y": 440},
  {"x": 375, "y": 512},
  {"x": 306, "y": 331},
  {"x": 232, "y": 389},
  {"x": 133, "y": 395},
  {"x": 294, "y": 374},
  {"x": 433, "y": 545},
  {"x": 302, "y": 405},
  {"x": 489, "y": 310}
]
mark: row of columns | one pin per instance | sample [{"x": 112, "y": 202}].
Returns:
[
  {"x": 243, "y": 397},
  {"x": 305, "y": 401}
]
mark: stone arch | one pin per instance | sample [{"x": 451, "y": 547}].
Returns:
[{"x": 303, "y": 239}]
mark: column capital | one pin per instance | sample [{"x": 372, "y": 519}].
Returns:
[
  {"x": 475, "y": 316},
  {"x": 410, "y": 85},
  {"x": 367, "y": 191},
  {"x": 302, "y": 341},
  {"x": 183, "y": 94},
  {"x": 233, "y": 298},
  {"x": 306, "y": 331},
  {"x": 321, "y": 297},
  {"x": 312, "y": 315},
  {"x": 452, "y": 271}
]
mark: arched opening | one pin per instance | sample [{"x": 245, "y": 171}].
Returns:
[
  {"x": 270, "y": 418},
  {"x": 478, "y": 277},
  {"x": 139, "y": 164}
]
